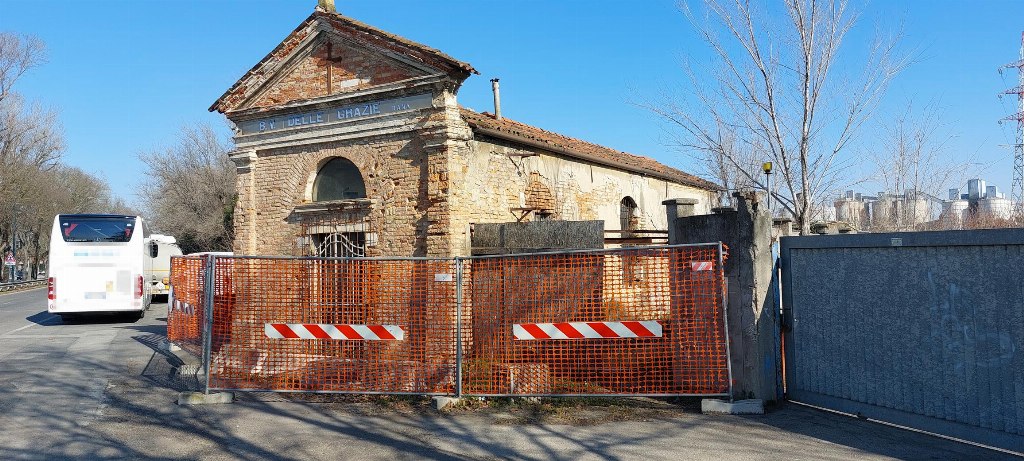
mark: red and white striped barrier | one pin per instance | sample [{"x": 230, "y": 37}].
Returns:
[
  {"x": 586, "y": 330},
  {"x": 701, "y": 265},
  {"x": 183, "y": 307},
  {"x": 334, "y": 331}
]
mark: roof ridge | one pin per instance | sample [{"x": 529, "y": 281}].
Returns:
[
  {"x": 608, "y": 155},
  {"x": 456, "y": 69},
  {"x": 398, "y": 38}
]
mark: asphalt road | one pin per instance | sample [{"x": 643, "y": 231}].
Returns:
[{"x": 100, "y": 389}]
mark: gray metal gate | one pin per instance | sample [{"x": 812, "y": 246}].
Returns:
[{"x": 921, "y": 329}]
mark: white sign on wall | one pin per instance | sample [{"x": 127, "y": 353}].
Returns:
[{"x": 334, "y": 114}]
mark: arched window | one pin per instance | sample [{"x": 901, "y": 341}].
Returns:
[
  {"x": 338, "y": 179},
  {"x": 629, "y": 214}
]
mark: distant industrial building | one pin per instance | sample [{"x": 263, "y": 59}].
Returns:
[
  {"x": 914, "y": 208},
  {"x": 888, "y": 211},
  {"x": 981, "y": 199}
]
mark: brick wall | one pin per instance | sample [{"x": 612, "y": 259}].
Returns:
[
  {"x": 350, "y": 70},
  {"x": 394, "y": 172}
]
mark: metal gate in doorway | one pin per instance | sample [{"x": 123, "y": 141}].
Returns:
[{"x": 921, "y": 329}]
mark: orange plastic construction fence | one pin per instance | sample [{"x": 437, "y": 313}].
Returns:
[
  {"x": 185, "y": 305},
  {"x": 334, "y": 325},
  {"x": 638, "y": 321},
  {"x": 624, "y": 322}
]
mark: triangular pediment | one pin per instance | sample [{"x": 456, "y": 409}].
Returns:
[{"x": 329, "y": 55}]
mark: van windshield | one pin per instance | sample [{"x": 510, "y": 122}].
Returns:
[{"x": 97, "y": 228}]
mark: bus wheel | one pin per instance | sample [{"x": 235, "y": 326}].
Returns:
[{"x": 138, "y": 315}]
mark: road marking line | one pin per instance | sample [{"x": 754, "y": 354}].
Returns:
[
  {"x": 52, "y": 317},
  {"x": 16, "y": 292}
]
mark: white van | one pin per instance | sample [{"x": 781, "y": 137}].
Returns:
[
  {"x": 159, "y": 279},
  {"x": 98, "y": 263}
]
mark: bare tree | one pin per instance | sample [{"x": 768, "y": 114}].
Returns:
[
  {"x": 778, "y": 95},
  {"x": 18, "y": 54},
  {"x": 30, "y": 137},
  {"x": 47, "y": 193},
  {"x": 59, "y": 190},
  {"x": 31, "y": 141},
  {"x": 190, "y": 192},
  {"x": 914, "y": 167}
]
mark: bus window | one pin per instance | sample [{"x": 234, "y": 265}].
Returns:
[{"x": 97, "y": 228}]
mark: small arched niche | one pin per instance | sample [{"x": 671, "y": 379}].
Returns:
[
  {"x": 629, "y": 214},
  {"x": 338, "y": 179}
]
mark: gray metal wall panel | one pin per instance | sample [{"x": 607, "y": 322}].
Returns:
[{"x": 933, "y": 327}]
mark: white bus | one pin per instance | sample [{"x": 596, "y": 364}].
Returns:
[
  {"x": 98, "y": 263},
  {"x": 159, "y": 279}
]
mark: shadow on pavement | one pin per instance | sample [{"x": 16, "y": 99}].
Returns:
[
  {"x": 44, "y": 318},
  {"x": 871, "y": 437},
  {"x": 123, "y": 406}
]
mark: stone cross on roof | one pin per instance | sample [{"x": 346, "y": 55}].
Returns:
[{"x": 326, "y": 6}]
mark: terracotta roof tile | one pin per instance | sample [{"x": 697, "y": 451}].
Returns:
[{"x": 516, "y": 131}]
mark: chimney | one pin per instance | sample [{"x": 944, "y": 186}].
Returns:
[
  {"x": 497, "y": 98},
  {"x": 326, "y": 6}
]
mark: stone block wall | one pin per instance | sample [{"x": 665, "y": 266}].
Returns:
[{"x": 491, "y": 177}]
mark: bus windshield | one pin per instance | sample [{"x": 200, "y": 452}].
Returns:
[{"x": 97, "y": 228}]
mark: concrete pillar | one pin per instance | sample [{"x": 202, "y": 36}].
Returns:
[
  {"x": 678, "y": 208},
  {"x": 747, "y": 231},
  {"x": 753, "y": 322}
]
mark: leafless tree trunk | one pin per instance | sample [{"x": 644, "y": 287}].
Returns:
[{"x": 778, "y": 96}]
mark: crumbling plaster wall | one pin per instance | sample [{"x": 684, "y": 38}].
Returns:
[{"x": 490, "y": 177}]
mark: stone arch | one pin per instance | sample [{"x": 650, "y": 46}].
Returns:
[{"x": 337, "y": 178}]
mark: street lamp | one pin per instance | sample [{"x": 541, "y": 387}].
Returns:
[{"x": 767, "y": 168}]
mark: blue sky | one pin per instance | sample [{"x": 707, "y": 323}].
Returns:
[{"x": 126, "y": 75}]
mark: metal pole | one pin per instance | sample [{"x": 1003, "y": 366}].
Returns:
[
  {"x": 208, "y": 288},
  {"x": 458, "y": 327},
  {"x": 14, "y": 241},
  {"x": 725, "y": 318}
]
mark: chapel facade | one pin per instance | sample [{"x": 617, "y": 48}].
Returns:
[{"x": 350, "y": 141}]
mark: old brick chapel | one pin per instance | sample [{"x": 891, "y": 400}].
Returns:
[{"x": 350, "y": 141}]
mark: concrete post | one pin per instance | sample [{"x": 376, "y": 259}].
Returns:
[
  {"x": 755, "y": 340},
  {"x": 677, "y": 208},
  {"x": 747, "y": 231}
]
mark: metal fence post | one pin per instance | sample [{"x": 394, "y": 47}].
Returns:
[
  {"x": 208, "y": 292},
  {"x": 458, "y": 327},
  {"x": 725, "y": 318}
]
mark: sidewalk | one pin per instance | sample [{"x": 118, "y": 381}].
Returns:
[{"x": 296, "y": 426}]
